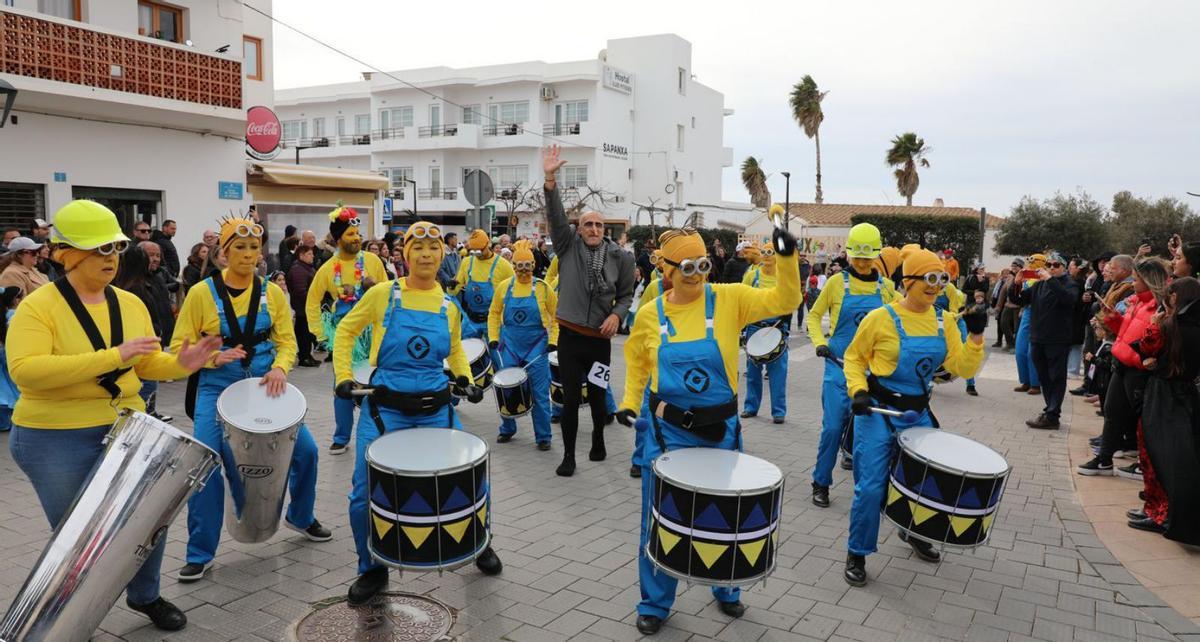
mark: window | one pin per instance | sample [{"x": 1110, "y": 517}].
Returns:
[
  {"x": 341, "y": 126},
  {"x": 693, "y": 122},
  {"x": 362, "y": 124},
  {"x": 679, "y": 138},
  {"x": 398, "y": 176},
  {"x": 514, "y": 112},
  {"x": 575, "y": 112},
  {"x": 683, "y": 77},
  {"x": 574, "y": 176},
  {"x": 294, "y": 129},
  {"x": 465, "y": 171},
  {"x": 160, "y": 21},
  {"x": 509, "y": 176},
  {"x": 471, "y": 115},
  {"x": 252, "y": 55},
  {"x": 318, "y": 127},
  {"x": 395, "y": 118},
  {"x": 435, "y": 179},
  {"x": 68, "y": 9}
]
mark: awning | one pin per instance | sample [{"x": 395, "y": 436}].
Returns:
[{"x": 314, "y": 177}]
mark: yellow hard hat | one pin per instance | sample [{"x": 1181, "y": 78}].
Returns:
[
  {"x": 863, "y": 242},
  {"x": 86, "y": 225}
]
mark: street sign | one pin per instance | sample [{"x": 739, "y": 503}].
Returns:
[
  {"x": 477, "y": 187},
  {"x": 229, "y": 190},
  {"x": 387, "y": 210}
]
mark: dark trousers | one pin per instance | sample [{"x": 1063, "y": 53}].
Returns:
[
  {"x": 304, "y": 338},
  {"x": 1050, "y": 361},
  {"x": 1122, "y": 410},
  {"x": 1008, "y": 325},
  {"x": 576, "y": 355}
]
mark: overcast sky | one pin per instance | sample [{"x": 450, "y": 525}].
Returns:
[{"x": 1014, "y": 97}]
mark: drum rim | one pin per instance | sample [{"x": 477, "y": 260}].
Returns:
[
  {"x": 487, "y": 541},
  {"x": 371, "y": 463},
  {"x": 706, "y": 491},
  {"x": 740, "y": 582},
  {"x": 228, "y": 423},
  {"x": 475, "y": 341},
  {"x": 165, "y": 427},
  {"x": 955, "y": 471},
  {"x": 513, "y": 385}
]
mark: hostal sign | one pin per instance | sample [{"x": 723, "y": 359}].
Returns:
[
  {"x": 619, "y": 152},
  {"x": 618, "y": 80}
]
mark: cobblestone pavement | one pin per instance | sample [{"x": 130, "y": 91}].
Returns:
[{"x": 568, "y": 546}]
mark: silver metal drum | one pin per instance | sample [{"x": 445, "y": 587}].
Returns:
[
  {"x": 261, "y": 433},
  {"x": 147, "y": 473},
  {"x": 766, "y": 345}
]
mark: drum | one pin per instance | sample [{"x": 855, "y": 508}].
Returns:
[
  {"x": 429, "y": 498},
  {"x": 480, "y": 359},
  {"x": 556, "y": 388},
  {"x": 944, "y": 488},
  {"x": 514, "y": 392},
  {"x": 148, "y": 471},
  {"x": 766, "y": 345},
  {"x": 715, "y": 516},
  {"x": 362, "y": 374},
  {"x": 261, "y": 432}
]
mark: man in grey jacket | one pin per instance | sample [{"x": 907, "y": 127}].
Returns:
[{"x": 596, "y": 283}]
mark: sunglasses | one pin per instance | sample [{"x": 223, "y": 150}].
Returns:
[
  {"x": 862, "y": 249},
  {"x": 939, "y": 279},
  {"x": 523, "y": 265},
  {"x": 689, "y": 267},
  {"x": 142, "y": 230},
  {"x": 425, "y": 232},
  {"x": 352, "y": 222},
  {"x": 118, "y": 247},
  {"x": 1054, "y": 264}
]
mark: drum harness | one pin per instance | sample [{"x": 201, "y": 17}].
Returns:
[
  {"x": 882, "y": 394},
  {"x": 245, "y": 337},
  {"x": 108, "y": 380}
]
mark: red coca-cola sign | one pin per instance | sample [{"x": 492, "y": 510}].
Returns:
[{"x": 263, "y": 133}]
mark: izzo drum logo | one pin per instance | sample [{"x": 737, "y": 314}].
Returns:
[
  {"x": 255, "y": 472},
  {"x": 143, "y": 551},
  {"x": 924, "y": 368},
  {"x": 696, "y": 380},
  {"x": 418, "y": 347},
  {"x": 519, "y": 316}
]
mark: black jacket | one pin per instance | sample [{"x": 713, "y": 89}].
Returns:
[
  {"x": 1052, "y": 304},
  {"x": 735, "y": 269},
  {"x": 170, "y": 256}
]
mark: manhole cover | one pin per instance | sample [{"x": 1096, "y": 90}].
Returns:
[{"x": 391, "y": 616}]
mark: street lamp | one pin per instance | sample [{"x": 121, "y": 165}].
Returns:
[
  {"x": 8, "y": 94},
  {"x": 414, "y": 185},
  {"x": 787, "y": 199}
]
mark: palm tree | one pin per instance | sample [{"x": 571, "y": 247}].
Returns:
[
  {"x": 756, "y": 182},
  {"x": 806, "y": 109},
  {"x": 906, "y": 153}
]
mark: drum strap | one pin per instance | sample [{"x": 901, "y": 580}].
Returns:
[
  {"x": 246, "y": 336},
  {"x": 706, "y": 422},
  {"x": 116, "y": 328},
  {"x": 416, "y": 404}
]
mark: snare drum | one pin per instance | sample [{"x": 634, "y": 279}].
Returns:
[
  {"x": 556, "y": 387},
  {"x": 945, "y": 488},
  {"x": 766, "y": 345},
  {"x": 429, "y": 498},
  {"x": 480, "y": 359},
  {"x": 514, "y": 392},
  {"x": 715, "y": 516}
]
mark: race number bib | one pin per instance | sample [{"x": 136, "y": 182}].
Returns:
[{"x": 598, "y": 375}]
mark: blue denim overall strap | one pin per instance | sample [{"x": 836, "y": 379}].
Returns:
[{"x": 853, "y": 310}]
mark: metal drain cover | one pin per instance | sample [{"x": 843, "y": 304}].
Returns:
[{"x": 389, "y": 617}]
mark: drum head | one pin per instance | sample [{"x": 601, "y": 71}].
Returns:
[
  {"x": 362, "y": 374},
  {"x": 510, "y": 377},
  {"x": 474, "y": 348},
  {"x": 245, "y": 404},
  {"x": 553, "y": 359},
  {"x": 426, "y": 450},
  {"x": 718, "y": 471},
  {"x": 953, "y": 451},
  {"x": 763, "y": 341}
]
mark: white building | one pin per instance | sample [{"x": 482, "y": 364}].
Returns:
[
  {"x": 138, "y": 104},
  {"x": 633, "y": 122}
]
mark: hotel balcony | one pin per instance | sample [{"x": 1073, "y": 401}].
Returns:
[
  {"x": 498, "y": 135},
  {"x": 72, "y": 68},
  {"x": 443, "y": 199},
  {"x": 426, "y": 137}
]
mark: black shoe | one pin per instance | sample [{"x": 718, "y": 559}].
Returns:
[
  {"x": 820, "y": 495},
  {"x": 649, "y": 624},
  {"x": 543, "y": 446},
  {"x": 747, "y": 415},
  {"x": 192, "y": 572},
  {"x": 996, "y": 345},
  {"x": 733, "y": 609},
  {"x": 504, "y": 439},
  {"x": 555, "y": 420},
  {"x": 1095, "y": 467},
  {"x": 923, "y": 549},
  {"x": 309, "y": 362},
  {"x": 488, "y": 562},
  {"x": 635, "y": 471},
  {"x": 315, "y": 532},
  {"x": 1080, "y": 391},
  {"x": 1142, "y": 495},
  {"x": 329, "y": 358},
  {"x": 1043, "y": 422},
  {"x": 163, "y": 614},
  {"x": 367, "y": 586},
  {"x": 566, "y": 468},
  {"x": 972, "y": 391},
  {"x": 1095, "y": 441},
  {"x": 337, "y": 449},
  {"x": 610, "y": 419},
  {"x": 1135, "y": 513},
  {"x": 847, "y": 463},
  {"x": 166, "y": 419},
  {"x": 1132, "y": 471},
  {"x": 598, "y": 452},
  {"x": 856, "y": 570},
  {"x": 1147, "y": 524},
  {"x": 776, "y": 420}
]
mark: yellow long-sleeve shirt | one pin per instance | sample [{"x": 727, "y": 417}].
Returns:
[
  {"x": 372, "y": 309},
  {"x": 552, "y": 272},
  {"x": 651, "y": 292},
  {"x": 198, "y": 317},
  {"x": 323, "y": 284},
  {"x": 876, "y": 346},
  {"x": 736, "y": 306},
  {"x": 55, "y": 367},
  {"x": 547, "y": 302},
  {"x": 764, "y": 280},
  {"x": 830, "y": 300},
  {"x": 957, "y": 298},
  {"x": 479, "y": 271}
]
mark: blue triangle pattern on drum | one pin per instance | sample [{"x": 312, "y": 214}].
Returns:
[
  {"x": 898, "y": 472},
  {"x": 969, "y": 499},
  {"x": 996, "y": 493},
  {"x": 380, "y": 497},
  {"x": 929, "y": 489},
  {"x": 457, "y": 500},
  {"x": 668, "y": 508},
  {"x": 711, "y": 517},
  {"x": 416, "y": 505},
  {"x": 482, "y": 490},
  {"x": 756, "y": 519}
]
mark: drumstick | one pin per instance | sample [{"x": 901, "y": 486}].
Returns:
[
  {"x": 362, "y": 392},
  {"x": 835, "y": 361},
  {"x": 907, "y": 415}
]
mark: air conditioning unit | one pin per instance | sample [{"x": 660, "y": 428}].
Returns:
[{"x": 548, "y": 93}]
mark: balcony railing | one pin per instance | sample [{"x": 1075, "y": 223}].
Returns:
[
  {"x": 386, "y": 134},
  {"x": 430, "y": 131},
  {"x": 502, "y": 129},
  {"x": 357, "y": 139},
  {"x": 561, "y": 129},
  {"x": 397, "y": 194},
  {"x": 309, "y": 143},
  {"x": 38, "y": 48},
  {"x": 447, "y": 194}
]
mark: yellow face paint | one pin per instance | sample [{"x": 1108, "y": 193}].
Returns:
[
  {"x": 351, "y": 241},
  {"x": 242, "y": 254},
  {"x": 424, "y": 256}
]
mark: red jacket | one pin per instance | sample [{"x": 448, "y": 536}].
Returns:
[{"x": 1131, "y": 328}]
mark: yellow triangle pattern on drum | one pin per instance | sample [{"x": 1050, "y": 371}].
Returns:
[
  {"x": 752, "y": 550},
  {"x": 457, "y": 529},
  {"x": 775, "y": 538},
  {"x": 382, "y": 526},
  {"x": 667, "y": 540},
  {"x": 919, "y": 512},
  {"x": 893, "y": 495},
  {"x": 961, "y": 524},
  {"x": 709, "y": 553},
  {"x": 520, "y": 407},
  {"x": 482, "y": 514},
  {"x": 417, "y": 534},
  {"x": 987, "y": 520}
]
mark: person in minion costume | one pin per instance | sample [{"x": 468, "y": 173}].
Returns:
[
  {"x": 658, "y": 287},
  {"x": 685, "y": 348},
  {"x": 478, "y": 279},
  {"x": 343, "y": 279},
  {"x": 848, "y": 296},
  {"x": 890, "y": 364},
  {"x": 78, "y": 350},
  {"x": 905, "y": 251},
  {"x": 953, "y": 300},
  {"x": 522, "y": 330},
  {"x": 1026, "y": 373},
  {"x": 415, "y": 325},
  {"x": 252, "y": 317},
  {"x": 888, "y": 262},
  {"x": 765, "y": 276}
]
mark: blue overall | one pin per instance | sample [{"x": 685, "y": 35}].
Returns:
[
  {"x": 1026, "y": 373},
  {"x": 206, "y": 509},
  {"x": 962, "y": 332},
  {"x": 343, "y": 409},
  {"x": 400, "y": 368},
  {"x": 8, "y": 390},
  {"x": 777, "y": 370},
  {"x": 943, "y": 302},
  {"x": 874, "y": 439},
  {"x": 835, "y": 401},
  {"x": 477, "y": 299},
  {"x": 523, "y": 340},
  {"x": 674, "y": 361}
]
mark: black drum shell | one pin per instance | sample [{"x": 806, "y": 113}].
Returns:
[{"x": 911, "y": 476}]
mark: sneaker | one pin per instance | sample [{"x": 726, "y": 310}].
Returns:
[
  {"x": 367, "y": 586},
  {"x": 1095, "y": 441},
  {"x": 1078, "y": 391},
  {"x": 504, "y": 439},
  {"x": 1034, "y": 391},
  {"x": 1126, "y": 453},
  {"x": 543, "y": 445},
  {"x": 1022, "y": 388},
  {"x": 1043, "y": 422},
  {"x": 1095, "y": 467},
  {"x": 192, "y": 572},
  {"x": 164, "y": 615},
  {"x": 315, "y": 532},
  {"x": 1132, "y": 471},
  {"x": 166, "y": 419},
  {"x": 972, "y": 391},
  {"x": 338, "y": 449}
]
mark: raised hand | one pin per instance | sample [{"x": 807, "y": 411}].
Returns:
[
  {"x": 138, "y": 347},
  {"x": 551, "y": 162},
  {"x": 193, "y": 356}
]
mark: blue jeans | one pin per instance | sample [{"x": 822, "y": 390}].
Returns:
[
  {"x": 5, "y": 418},
  {"x": 149, "y": 388},
  {"x": 59, "y": 464},
  {"x": 1075, "y": 360},
  {"x": 777, "y": 372}
]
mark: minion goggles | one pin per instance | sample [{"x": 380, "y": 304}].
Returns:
[{"x": 689, "y": 267}]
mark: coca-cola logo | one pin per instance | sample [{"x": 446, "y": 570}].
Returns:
[{"x": 263, "y": 133}]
